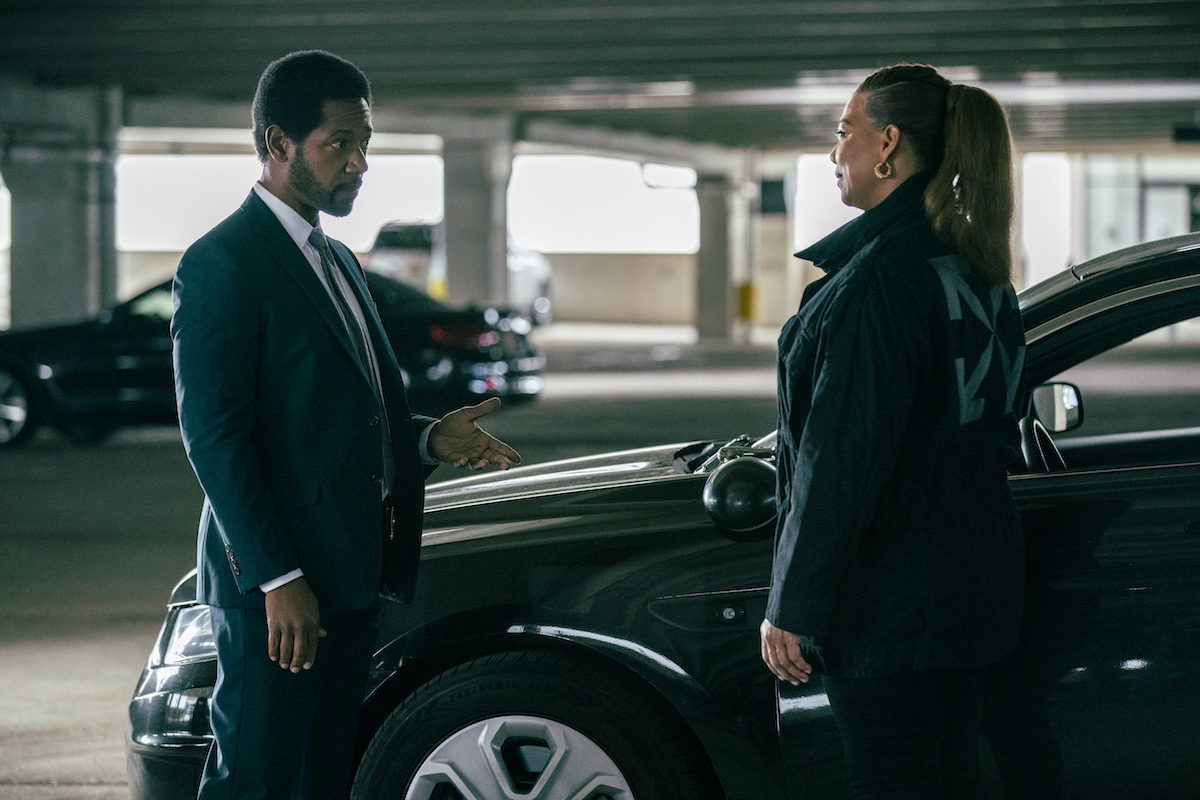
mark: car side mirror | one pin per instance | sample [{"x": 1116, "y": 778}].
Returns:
[
  {"x": 1059, "y": 406},
  {"x": 739, "y": 495}
]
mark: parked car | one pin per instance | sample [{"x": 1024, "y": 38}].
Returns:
[
  {"x": 409, "y": 252},
  {"x": 453, "y": 357},
  {"x": 87, "y": 379},
  {"x": 530, "y": 283},
  {"x": 415, "y": 253},
  {"x": 589, "y": 628}
]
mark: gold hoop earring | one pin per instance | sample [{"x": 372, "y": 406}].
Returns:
[{"x": 883, "y": 170}]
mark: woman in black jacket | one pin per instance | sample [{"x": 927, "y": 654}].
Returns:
[{"x": 898, "y": 560}]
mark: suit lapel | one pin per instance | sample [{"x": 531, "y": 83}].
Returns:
[
  {"x": 283, "y": 252},
  {"x": 358, "y": 283},
  {"x": 394, "y": 392}
]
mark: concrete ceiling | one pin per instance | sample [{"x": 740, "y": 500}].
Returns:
[{"x": 771, "y": 75}]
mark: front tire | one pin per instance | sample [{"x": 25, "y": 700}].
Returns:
[
  {"x": 531, "y": 725},
  {"x": 17, "y": 421}
]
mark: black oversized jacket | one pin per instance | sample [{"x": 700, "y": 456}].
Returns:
[{"x": 898, "y": 546}]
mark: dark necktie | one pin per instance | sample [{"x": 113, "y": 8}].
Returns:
[{"x": 358, "y": 336}]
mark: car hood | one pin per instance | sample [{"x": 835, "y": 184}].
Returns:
[
  {"x": 645, "y": 471},
  {"x": 625, "y": 468}
]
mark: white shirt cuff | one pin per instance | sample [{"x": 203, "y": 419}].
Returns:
[
  {"x": 281, "y": 580},
  {"x": 423, "y": 445}
]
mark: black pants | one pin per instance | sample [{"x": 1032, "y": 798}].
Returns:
[
  {"x": 283, "y": 735},
  {"x": 911, "y": 736}
]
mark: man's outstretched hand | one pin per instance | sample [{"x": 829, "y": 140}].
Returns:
[{"x": 456, "y": 439}]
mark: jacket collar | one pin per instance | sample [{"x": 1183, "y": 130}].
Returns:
[
  {"x": 835, "y": 250},
  {"x": 297, "y": 227}
]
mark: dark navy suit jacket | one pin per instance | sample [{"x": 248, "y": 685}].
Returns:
[{"x": 281, "y": 424}]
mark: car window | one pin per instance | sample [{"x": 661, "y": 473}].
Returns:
[
  {"x": 155, "y": 305},
  {"x": 1149, "y": 383},
  {"x": 408, "y": 237}
]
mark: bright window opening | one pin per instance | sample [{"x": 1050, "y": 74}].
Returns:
[
  {"x": 587, "y": 204},
  {"x": 1046, "y": 211},
  {"x": 819, "y": 209},
  {"x": 166, "y": 202}
]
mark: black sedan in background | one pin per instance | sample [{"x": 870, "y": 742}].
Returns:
[
  {"x": 589, "y": 628},
  {"x": 453, "y": 357},
  {"x": 89, "y": 378}
]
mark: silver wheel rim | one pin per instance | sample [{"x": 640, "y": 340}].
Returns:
[
  {"x": 14, "y": 408},
  {"x": 520, "y": 758}
]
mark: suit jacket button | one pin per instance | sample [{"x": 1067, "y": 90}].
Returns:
[
  {"x": 373, "y": 421},
  {"x": 237, "y": 571}
]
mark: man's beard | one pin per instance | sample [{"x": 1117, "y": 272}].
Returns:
[{"x": 337, "y": 202}]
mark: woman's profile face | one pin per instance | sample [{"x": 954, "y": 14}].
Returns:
[{"x": 859, "y": 148}]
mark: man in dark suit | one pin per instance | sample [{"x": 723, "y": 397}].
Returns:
[{"x": 294, "y": 418}]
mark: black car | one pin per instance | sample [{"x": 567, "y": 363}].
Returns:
[
  {"x": 589, "y": 628},
  {"x": 89, "y": 378},
  {"x": 453, "y": 357}
]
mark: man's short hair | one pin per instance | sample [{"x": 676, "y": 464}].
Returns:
[{"x": 292, "y": 93}]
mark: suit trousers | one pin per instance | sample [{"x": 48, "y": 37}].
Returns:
[
  {"x": 281, "y": 734},
  {"x": 912, "y": 736}
]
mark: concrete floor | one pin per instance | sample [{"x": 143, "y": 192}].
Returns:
[{"x": 92, "y": 541}]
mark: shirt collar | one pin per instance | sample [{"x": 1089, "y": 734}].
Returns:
[{"x": 297, "y": 227}]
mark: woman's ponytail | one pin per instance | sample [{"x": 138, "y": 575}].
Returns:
[{"x": 970, "y": 200}]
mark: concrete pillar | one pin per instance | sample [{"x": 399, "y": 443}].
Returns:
[
  {"x": 476, "y": 174},
  {"x": 58, "y": 156},
  {"x": 714, "y": 293}
]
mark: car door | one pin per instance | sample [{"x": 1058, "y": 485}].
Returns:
[
  {"x": 1100, "y": 700},
  {"x": 1101, "y": 695},
  {"x": 123, "y": 370}
]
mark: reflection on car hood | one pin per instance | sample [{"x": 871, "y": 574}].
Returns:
[
  {"x": 590, "y": 472},
  {"x": 606, "y": 471}
]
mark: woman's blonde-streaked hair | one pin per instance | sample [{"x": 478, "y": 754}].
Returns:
[{"x": 961, "y": 132}]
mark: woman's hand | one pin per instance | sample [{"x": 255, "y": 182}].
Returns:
[{"x": 781, "y": 652}]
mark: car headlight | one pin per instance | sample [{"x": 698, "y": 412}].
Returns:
[{"x": 191, "y": 637}]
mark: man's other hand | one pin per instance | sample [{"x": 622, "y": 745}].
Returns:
[{"x": 293, "y": 625}]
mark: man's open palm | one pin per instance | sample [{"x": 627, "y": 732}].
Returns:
[{"x": 457, "y": 440}]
